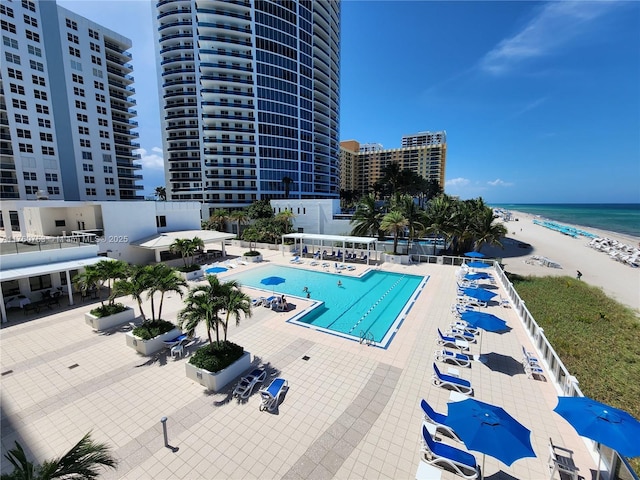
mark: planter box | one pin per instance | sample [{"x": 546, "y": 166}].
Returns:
[
  {"x": 255, "y": 259},
  {"x": 217, "y": 381},
  {"x": 397, "y": 259},
  {"x": 105, "y": 323},
  {"x": 148, "y": 347},
  {"x": 190, "y": 276}
]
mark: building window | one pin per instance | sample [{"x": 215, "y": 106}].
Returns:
[
  {"x": 107, "y": 169},
  {"x": 89, "y": 179},
  {"x": 111, "y": 192},
  {"x": 29, "y": 5},
  {"x": 30, "y": 20},
  {"x": 25, "y": 148},
  {"x": 40, "y": 95},
  {"x": 90, "y": 191},
  {"x": 42, "y": 109},
  {"x": 34, "y": 50},
  {"x": 33, "y": 36},
  {"x": 161, "y": 221},
  {"x": 108, "y": 181},
  {"x": 82, "y": 117},
  {"x": 9, "y": 27},
  {"x": 10, "y": 42},
  {"x": 96, "y": 60},
  {"x": 78, "y": 91},
  {"x": 101, "y": 110},
  {"x": 72, "y": 38},
  {"x": 71, "y": 24},
  {"x": 46, "y": 137},
  {"x": 24, "y": 119},
  {"x": 23, "y": 133},
  {"x": 51, "y": 177},
  {"x": 77, "y": 78},
  {"x": 21, "y": 104},
  {"x": 48, "y": 151},
  {"x": 53, "y": 190},
  {"x": 30, "y": 176},
  {"x": 61, "y": 223},
  {"x": 11, "y": 58},
  {"x": 105, "y": 146},
  {"x": 13, "y": 73},
  {"x": 103, "y": 122},
  {"x": 74, "y": 52},
  {"x": 31, "y": 189},
  {"x": 41, "y": 282},
  {"x": 36, "y": 65},
  {"x": 83, "y": 130},
  {"x": 4, "y": 10}
]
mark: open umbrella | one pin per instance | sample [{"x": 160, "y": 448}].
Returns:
[
  {"x": 216, "y": 270},
  {"x": 612, "y": 427},
  {"x": 485, "y": 321},
  {"x": 474, "y": 255},
  {"x": 481, "y": 294},
  {"x": 490, "y": 430},
  {"x": 478, "y": 265},
  {"x": 477, "y": 276},
  {"x": 273, "y": 281}
]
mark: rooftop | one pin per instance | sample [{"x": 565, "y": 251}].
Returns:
[{"x": 351, "y": 411}]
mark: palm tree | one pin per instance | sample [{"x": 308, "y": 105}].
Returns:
[
  {"x": 440, "y": 217},
  {"x": 88, "y": 280},
  {"x": 163, "y": 279},
  {"x": 486, "y": 231},
  {"x": 241, "y": 217},
  {"x": 415, "y": 216},
  {"x": 161, "y": 193},
  {"x": 203, "y": 303},
  {"x": 109, "y": 271},
  {"x": 217, "y": 220},
  {"x": 286, "y": 219},
  {"x": 287, "y": 181},
  {"x": 234, "y": 302},
  {"x": 366, "y": 217},
  {"x": 82, "y": 462},
  {"x": 184, "y": 247},
  {"x": 138, "y": 282},
  {"x": 394, "y": 222},
  {"x": 251, "y": 235}
]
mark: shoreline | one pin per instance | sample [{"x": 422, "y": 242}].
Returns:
[{"x": 618, "y": 280}]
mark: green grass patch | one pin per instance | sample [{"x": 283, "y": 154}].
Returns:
[
  {"x": 597, "y": 338},
  {"x": 216, "y": 357}
]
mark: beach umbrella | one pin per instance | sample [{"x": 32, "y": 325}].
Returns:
[
  {"x": 602, "y": 423},
  {"x": 478, "y": 265},
  {"x": 485, "y": 321},
  {"x": 477, "y": 276},
  {"x": 216, "y": 270},
  {"x": 490, "y": 430},
  {"x": 474, "y": 255},
  {"x": 273, "y": 281},
  {"x": 481, "y": 294}
]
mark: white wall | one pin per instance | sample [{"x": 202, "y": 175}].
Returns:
[
  {"x": 179, "y": 215},
  {"x": 314, "y": 215}
]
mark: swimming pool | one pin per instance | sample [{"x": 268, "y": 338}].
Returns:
[{"x": 370, "y": 308}]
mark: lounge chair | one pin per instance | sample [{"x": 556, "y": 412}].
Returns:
[
  {"x": 464, "y": 326},
  {"x": 446, "y": 341},
  {"x": 351, "y": 268},
  {"x": 460, "y": 334},
  {"x": 437, "y": 419},
  {"x": 246, "y": 384},
  {"x": 459, "y": 384},
  {"x": 295, "y": 259},
  {"x": 446, "y": 456},
  {"x": 447, "y": 356},
  {"x": 256, "y": 302},
  {"x": 266, "y": 303},
  {"x": 530, "y": 364},
  {"x": 271, "y": 394}
]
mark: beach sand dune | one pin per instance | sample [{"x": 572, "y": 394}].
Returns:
[{"x": 526, "y": 239}]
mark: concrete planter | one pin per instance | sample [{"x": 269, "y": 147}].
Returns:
[
  {"x": 111, "y": 321},
  {"x": 217, "y": 381},
  {"x": 255, "y": 259},
  {"x": 397, "y": 259},
  {"x": 191, "y": 276},
  {"x": 148, "y": 347}
]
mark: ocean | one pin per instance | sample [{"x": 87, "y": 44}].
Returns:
[{"x": 622, "y": 218}]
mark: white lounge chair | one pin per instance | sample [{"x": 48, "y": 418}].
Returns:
[
  {"x": 271, "y": 394},
  {"x": 246, "y": 384},
  {"x": 437, "y": 419},
  {"x": 446, "y": 456},
  {"x": 452, "y": 342},
  {"x": 447, "y": 356},
  {"x": 454, "y": 383}
]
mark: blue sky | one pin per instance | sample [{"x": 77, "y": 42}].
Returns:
[{"x": 540, "y": 100}]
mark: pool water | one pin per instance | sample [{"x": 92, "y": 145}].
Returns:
[{"x": 371, "y": 307}]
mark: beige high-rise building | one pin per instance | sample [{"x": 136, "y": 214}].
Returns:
[{"x": 361, "y": 165}]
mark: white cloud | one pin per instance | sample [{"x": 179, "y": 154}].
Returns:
[
  {"x": 500, "y": 183},
  {"x": 151, "y": 161},
  {"x": 554, "y": 26},
  {"x": 457, "y": 182}
]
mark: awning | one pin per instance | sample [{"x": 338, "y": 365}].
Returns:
[{"x": 47, "y": 268}]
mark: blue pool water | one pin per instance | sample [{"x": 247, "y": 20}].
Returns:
[{"x": 373, "y": 305}]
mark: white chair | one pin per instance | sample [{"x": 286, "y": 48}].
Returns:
[{"x": 177, "y": 350}]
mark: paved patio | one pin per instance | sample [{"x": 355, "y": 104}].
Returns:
[{"x": 351, "y": 411}]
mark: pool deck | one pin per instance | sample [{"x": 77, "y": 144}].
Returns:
[{"x": 351, "y": 411}]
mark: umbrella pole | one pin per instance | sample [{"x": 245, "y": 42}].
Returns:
[{"x": 599, "y": 461}]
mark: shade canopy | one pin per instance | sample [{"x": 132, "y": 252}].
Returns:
[
  {"x": 216, "y": 270},
  {"x": 478, "y": 265},
  {"x": 477, "y": 276},
  {"x": 485, "y": 321},
  {"x": 474, "y": 255},
  {"x": 490, "y": 430},
  {"x": 600, "y": 422},
  {"x": 272, "y": 280},
  {"x": 481, "y": 294}
]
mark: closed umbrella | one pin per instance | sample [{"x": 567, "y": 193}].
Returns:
[
  {"x": 490, "y": 430},
  {"x": 602, "y": 423}
]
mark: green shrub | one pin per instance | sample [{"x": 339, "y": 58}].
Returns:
[
  {"x": 216, "y": 357},
  {"x": 149, "y": 330},
  {"x": 251, "y": 253},
  {"x": 189, "y": 268},
  {"x": 109, "y": 309}
]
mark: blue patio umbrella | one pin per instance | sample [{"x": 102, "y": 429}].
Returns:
[
  {"x": 474, "y": 255},
  {"x": 477, "y": 276},
  {"x": 478, "y": 265},
  {"x": 600, "y": 422},
  {"x": 490, "y": 430},
  {"x": 216, "y": 270},
  {"x": 273, "y": 281},
  {"x": 481, "y": 294},
  {"x": 485, "y": 321}
]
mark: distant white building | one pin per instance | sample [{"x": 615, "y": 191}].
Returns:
[{"x": 322, "y": 216}]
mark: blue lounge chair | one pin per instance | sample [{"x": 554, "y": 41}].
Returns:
[
  {"x": 266, "y": 303},
  {"x": 451, "y": 458},
  {"x": 246, "y": 384},
  {"x": 271, "y": 394},
  {"x": 453, "y": 342},
  {"x": 460, "y": 334},
  {"x": 459, "y": 359},
  {"x": 437, "y": 419},
  {"x": 176, "y": 341},
  {"x": 461, "y": 385}
]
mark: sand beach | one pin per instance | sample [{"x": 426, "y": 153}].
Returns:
[{"x": 618, "y": 280}]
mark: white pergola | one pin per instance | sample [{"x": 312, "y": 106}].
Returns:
[
  {"x": 329, "y": 240},
  {"x": 161, "y": 242}
]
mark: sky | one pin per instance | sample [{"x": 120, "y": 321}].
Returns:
[{"x": 540, "y": 100}]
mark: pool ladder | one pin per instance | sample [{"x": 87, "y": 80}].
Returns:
[{"x": 367, "y": 338}]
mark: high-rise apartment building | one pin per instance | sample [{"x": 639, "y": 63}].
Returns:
[
  {"x": 362, "y": 165},
  {"x": 65, "y": 107},
  {"x": 249, "y": 95}
]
